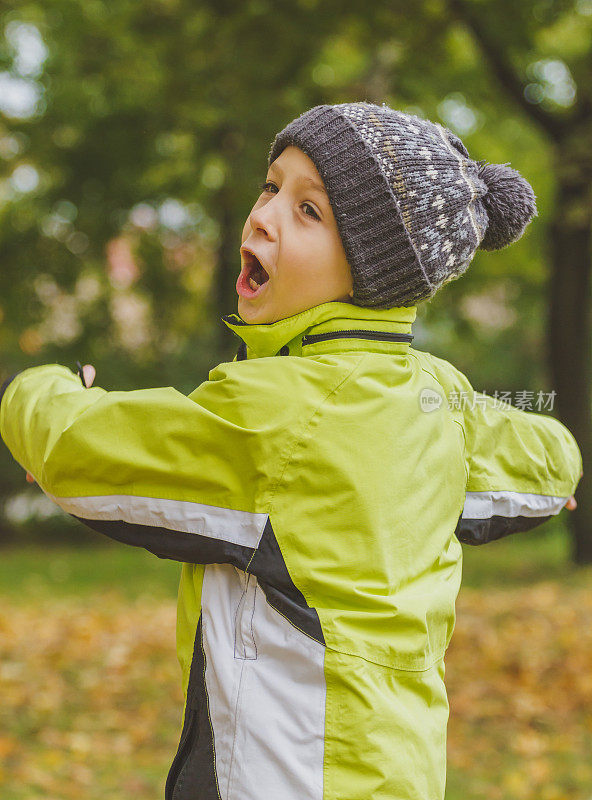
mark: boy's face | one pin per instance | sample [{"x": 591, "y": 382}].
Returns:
[{"x": 292, "y": 232}]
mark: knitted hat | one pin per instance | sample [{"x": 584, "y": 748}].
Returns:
[{"x": 411, "y": 206}]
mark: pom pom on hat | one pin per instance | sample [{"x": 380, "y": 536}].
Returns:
[{"x": 510, "y": 204}]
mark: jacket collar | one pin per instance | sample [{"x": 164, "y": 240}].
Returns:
[{"x": 267, "y": 339}]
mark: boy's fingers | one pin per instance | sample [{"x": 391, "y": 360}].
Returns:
[
  {"x": 571, "y": 503},
  {"x": 30, "y": 478},
  {"x": 89, "y": 373}
]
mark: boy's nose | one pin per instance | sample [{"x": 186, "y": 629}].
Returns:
[{"x": 264, "y": 220}]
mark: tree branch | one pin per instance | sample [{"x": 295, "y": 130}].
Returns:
[{"x": 500, "y": 66}]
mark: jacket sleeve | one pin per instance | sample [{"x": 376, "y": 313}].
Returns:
[
  {"x": 522, "y": 469},
  {"x": 521, "y": 466},
  {"x": 179, "y": 475}
]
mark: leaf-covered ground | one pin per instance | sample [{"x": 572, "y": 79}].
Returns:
[
  {"x": 90, "y": 697},
  {"x": 519, "y": 678}
]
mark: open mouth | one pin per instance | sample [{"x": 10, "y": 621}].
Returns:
[{"x": 253, "y": 276}]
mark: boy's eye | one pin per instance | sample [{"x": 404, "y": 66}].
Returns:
[
  {"x": 263, "y": 186},
  {"x": 266, "y": 187}
]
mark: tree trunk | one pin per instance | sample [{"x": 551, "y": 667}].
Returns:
[{"x": 570, "y": 328}]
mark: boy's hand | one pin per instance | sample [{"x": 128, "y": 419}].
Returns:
[
  {"x": 572, "y": 502},
  {"x": 89, "y": 373}
]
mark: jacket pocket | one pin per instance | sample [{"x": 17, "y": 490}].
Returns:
[
  {"x": 409, "y": 629},
  {"x": 398, "y": 654}
]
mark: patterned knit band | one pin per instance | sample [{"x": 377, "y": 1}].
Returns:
[{"x": 411, "y": 206}]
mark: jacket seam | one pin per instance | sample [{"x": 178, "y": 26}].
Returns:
[
  {"x": 235, "y": 725},
  {"x": 298, "y": 439},
  {"x": 555, "y": 494},
  {"x": 293, "y": 624},
  {"x": 432, "y": 663},
  {"x": 453, "y": 418},
  {"x": 465, "y": 457}
]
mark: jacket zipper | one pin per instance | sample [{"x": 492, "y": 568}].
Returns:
[{"x": 382, "y": 336}]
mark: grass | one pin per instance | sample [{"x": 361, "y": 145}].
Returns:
[
  {"x": 522, "y": 559},
  {"x": 32, "y": 572}
]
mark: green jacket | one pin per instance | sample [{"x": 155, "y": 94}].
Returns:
[{"x": 317, "y": 500}]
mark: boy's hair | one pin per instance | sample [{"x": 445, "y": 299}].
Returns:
[{"x": 411, "y": 205}]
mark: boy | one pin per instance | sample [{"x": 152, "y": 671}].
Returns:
[{"x": 317, "y": 500}]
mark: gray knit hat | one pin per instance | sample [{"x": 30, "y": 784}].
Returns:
[{"x": 411, "y": 205}]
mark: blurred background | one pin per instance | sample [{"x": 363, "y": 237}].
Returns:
[{"x": 133, "y": 137}]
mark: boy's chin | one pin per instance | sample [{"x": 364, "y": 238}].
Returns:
[
  {"x": 265, "y": 316},
  {"x": 253, "y": 315}
]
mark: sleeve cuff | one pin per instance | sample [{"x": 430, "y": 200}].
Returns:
[{"x": 8, "y": 381}]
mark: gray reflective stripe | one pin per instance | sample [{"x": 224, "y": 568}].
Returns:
[
  {"x": 484, "y": 505},
  {"x": 226, "y": 524},
  {"x": 266, "y": 687}
]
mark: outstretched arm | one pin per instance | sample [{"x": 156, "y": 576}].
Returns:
[
  {"x": 523, "y": 468},
  {"x": 175, "y": 474}
]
